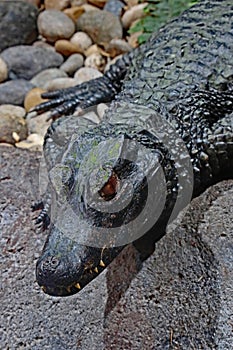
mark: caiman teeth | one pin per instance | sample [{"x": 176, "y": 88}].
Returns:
[
  {"x": 77, "y": 285},
  {"x": 96, "y": 270},
  {"x": 44, "y": 289},
  {"x": 102, "y": 263},
  {"x": 68, "y": 289}
]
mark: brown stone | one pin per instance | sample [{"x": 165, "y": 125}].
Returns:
[
  {"x": 66, "y": 48},
  {"x": 74, "y": 12},
  {"x": 33, "y": 98}
]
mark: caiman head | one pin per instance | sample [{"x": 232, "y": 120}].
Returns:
[{"x": 109, "y": 188}]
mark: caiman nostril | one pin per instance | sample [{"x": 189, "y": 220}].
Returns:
[{"x": 49, "y": 264}]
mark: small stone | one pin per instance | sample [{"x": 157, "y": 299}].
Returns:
[
  {"x": 81, "y": 40},
  {"x": 75, "y": 3},
  {"x": 3, "y": 70},
  {"x": 26, "y": 61},
  {"x": 117, "y": 47},
  {"x": 34, "y": 141},
  {"x": 92, "y": 49},
  {"x": 14, "y": 91},
  {"x": 91, "y": 116},
  {"x": 56, "y": 4},
  {"x": 134, "y": 13},
  {"x": 60, "y": 83},
  {"x": 115, "y": 7},
  {"x": 88, "y": 8},
  {"x": 66, "y": 48},
  {"x": 17, "y": 23},
  {"x": 42, "y": 78},
  {"x": 39, "y": 124},
  {"x": 55, "y": 25},
  {"x": 131, "y": 3},
  {"x": 12, "y": 124},
  {"x": 44, "y": 45},
  {"x": 33, "y": 98},
  {"x": 96, "y": 60},
  {"x": 133, "y": 39},
  {"x": 98, "y": 3},
  {"x": 101, "y": 26},
  {"x": 74, "y": 12},
  {"x": 72, "y": 64},
  {"x": 86, "y": 74},
  {"x": 101, "y": 108}
]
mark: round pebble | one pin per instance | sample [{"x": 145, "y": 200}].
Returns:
[
  {"x": 81, "y": 40},
  {"x": 101, "y": 26},
  {"x": 60, "y": 83},
  {"x": 39, "y": 124},
  {"x": 42, "y": 78},
  {"x": 13, "y": 126},
  {"x": 3, "y": 70},
  {"x": 95, "y": 60},
  {"x": 72, "y": 64},
  {"x": 34, "y": 141},
  {"x": 74, "y": 12},
  {"x": 117, "y": 47},
  {"x": 92, "y": 49},
  {"x": 86, "y": 74},
  {"x": 91, "y": 116},
  {"x": 66, "y": 48},
  {"x": 56, "y": 4},
  {"x": 54, "y": 25},
  {"x": 101, "y": 108},
  {"x": 33, "y": 98},
  {"x": 133, "y": 14},
  {"x": 14, "y": 91}
]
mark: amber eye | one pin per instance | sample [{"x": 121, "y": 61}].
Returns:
[{"x": 109, "y": 190}]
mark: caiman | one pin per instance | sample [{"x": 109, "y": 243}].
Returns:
[{"x": 166, "y": 136}]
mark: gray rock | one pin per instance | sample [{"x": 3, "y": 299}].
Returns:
[
  {"x": 86, "y": 74},
  {"x": 73, "y": 63},
  {"x": 26, "y": 61},
  {"x": 54, "y": 25},
  {"x": 3, "y": 70},
  {"x": 17, "y": 23},
  {"x": 13, "y": 126},
  {"x": 14, "y": 91},
  {"x": 180, "y": 299},
  {"x": 114, "y": 6},
  {"x": 42, "y": 78},
  {"x": 101, "y": 26}
]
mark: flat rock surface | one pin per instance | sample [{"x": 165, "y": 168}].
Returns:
[{"x": 182, "y": 298}]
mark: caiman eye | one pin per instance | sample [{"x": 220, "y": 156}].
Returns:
[{"x": 109, "y": 190}]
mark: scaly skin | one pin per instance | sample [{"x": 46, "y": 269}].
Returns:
[{"x": 173, "y": 99}]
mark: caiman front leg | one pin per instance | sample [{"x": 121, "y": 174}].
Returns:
[{"x": 87, "y": 94}]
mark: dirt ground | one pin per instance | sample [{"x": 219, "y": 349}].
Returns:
[{"x": 182, "y": 298}]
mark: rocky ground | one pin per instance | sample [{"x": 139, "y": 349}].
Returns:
[{"x": 182, "y": 297}]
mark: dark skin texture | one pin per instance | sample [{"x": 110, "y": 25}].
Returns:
[{"x": 181, "y": 78}]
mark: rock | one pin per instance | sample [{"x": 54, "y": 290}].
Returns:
[
  {"x": 74, "y": 12},
  {"x": 101, "y": 26},
  {"x": 3, "y": 70},
  {"x": 75, "y": 3},
  {"x": 34, "y": 141},
  {"x": 98, "y": 3},
  {"x": 115, "y": 7},
  {"x": 26, "y": 61},
  {"x": 133, "y": 39},
  {"x": 131, "y": 3},
  {"x": 17, "y": 23},
  {"x": 95, "y": 60},
  {"x": 66, "y": 48},
  {"x": 92, "y": 49},
  {"x": 54, "y": 25},
  {"x": 86, "y": 74},
  {"x": 56, "y": 4},
  {"x": 33, "y": 98},
  {"x": 43, "y": 44},
  {"x": 81, "y": 40},
  {"x": 13, "y": 126},
  {"x": 46, "y": 75},
  {"x": 133, "y": 14},
  {"x": 91, "y": 116},
  {"x": 72, "y": 64},
  {"x": 60, "y": 83},
  {"x": 117, "y": 47},
  {"x": 39, "y": 124},
  {"x": 14, "y": 91},
  {"x": 101, "y": 108}
]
